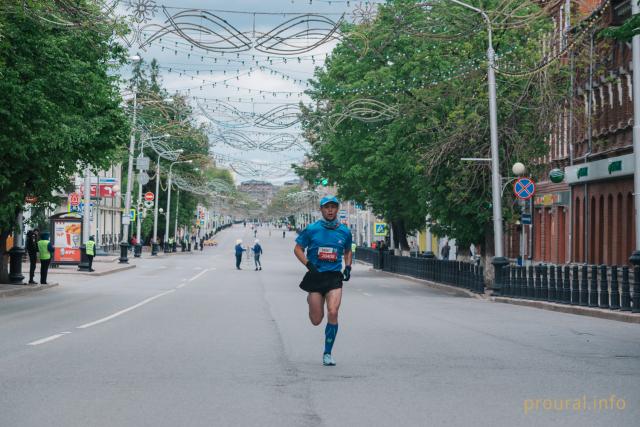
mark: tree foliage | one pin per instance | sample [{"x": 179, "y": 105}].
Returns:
[
  {"x": 60, "y": 105},
  {"x": 426, "y": 65}
]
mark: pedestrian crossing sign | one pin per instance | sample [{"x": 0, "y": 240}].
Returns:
[{"x": 379, "y": 229}]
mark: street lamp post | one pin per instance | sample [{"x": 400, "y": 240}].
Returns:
[
  {"x": 154, "y": 247},
  {"x": 166, "y": 228},
  {"x": 499, "y": 260},
  {"x": 126, "y": 219},
  {"x": 86, "y": 223},
  {"x": 175, "y": 228}
]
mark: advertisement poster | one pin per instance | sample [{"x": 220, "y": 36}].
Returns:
[{"x": 67, "y": 237}]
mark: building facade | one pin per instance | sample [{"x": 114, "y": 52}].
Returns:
[{"x": 589, "y": 216}]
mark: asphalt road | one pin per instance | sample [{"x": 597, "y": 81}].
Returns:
[{"x": 188, "y": 340}]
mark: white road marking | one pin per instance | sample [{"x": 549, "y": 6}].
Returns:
[
  {"x": 126, "y": 310},
  {"x": 181, "y": 285},
  {"x": 198, "y": 275},
  {"x": 366, "y": 294},
  {"x": 48, "y": 339}
]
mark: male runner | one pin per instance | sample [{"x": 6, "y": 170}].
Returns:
[{"x": 326, "y": 242}]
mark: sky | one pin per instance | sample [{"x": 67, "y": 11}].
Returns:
[{"x": 233, "y": 91}]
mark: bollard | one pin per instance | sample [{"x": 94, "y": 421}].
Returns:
[
  {"x": 604, "y": 287},
  {"x": 575, "y": 287},
  {"x": 552, "y": 283},
  {"x": 124, "y": 248},
  {"x": 625, "y": 296},
  {"x": 154, "y": 249},
  {"x": 584, "y": 283},
  {"x": 480, "y": 278},
  {"x": 137, "y": 250},
  {"x": 544, "y": 290},
  {"x": 615, "y": 292}
]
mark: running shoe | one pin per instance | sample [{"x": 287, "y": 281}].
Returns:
[{"x": 327, "y": 360}]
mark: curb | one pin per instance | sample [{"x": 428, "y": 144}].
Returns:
[
  {"x": 25, "y": 289},
  {"x": 573, "y": 309},
  {"x": 115, "y": 270}
]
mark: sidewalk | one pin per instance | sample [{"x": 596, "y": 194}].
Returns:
[
  {"x": 102, "y": 265},
  {"x": 621, "y": 316}
]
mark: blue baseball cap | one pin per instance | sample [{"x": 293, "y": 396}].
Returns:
[{"x": 329, "y": 199}]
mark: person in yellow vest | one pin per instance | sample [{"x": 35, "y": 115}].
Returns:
[
  {"x": 91, "y": 251},
  {"x": 45, "y": 250}
]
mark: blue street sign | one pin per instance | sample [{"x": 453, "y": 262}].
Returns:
[
  {"x": 524, "y": 188},
  {"x": 525, "y": 219},
  {"x": 379, "y": 229}
]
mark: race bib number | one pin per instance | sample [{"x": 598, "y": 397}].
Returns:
[{"x": 327, "y": 254}]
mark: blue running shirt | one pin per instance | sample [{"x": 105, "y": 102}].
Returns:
[{"x": 324, "y": 246}]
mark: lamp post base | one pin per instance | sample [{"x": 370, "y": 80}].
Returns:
[
  {"x": 154, "y": 249},
  {"x": 498, "y": 264},
  {"x": 15, "y": 265},
  {"x": 137, "y": 250},
  {"x": 124, "y": 247}
]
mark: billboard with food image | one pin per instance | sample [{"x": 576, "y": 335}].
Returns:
[{"x": 66, "y": 239}]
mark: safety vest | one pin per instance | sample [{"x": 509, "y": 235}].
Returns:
[
  {"x": 353, "y": 247},
  {"x": 43, "y": 248},
  {"x": 91, "y": 247}
]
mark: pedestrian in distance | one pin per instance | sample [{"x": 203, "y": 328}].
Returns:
[
  {"x": 257, "y": 251},
  {"x": 239, "y": 250},
  {"x": 284, "y": 233},
  {"x": 32, "y": 250},
  {"x": 45, "y": 250},
  {"x": 444, "y": 252},
  {"x": 201, "y": 243},
  {"x": 255, "y": 233},
  {"x": 326, "y": 242},
  {"x": 90, "y": 248}
]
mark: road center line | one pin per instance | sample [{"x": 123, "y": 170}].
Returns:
[
  {"x": 366, "y": 294},
  {"x": 126, "y": 310},
  {"x": 48, "y": 339},
  {"x": 198, "y": 275}
]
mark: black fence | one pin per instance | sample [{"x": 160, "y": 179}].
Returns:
[
  {"x": 600, "y": 286},
  {"x": 456, "y": 273}
]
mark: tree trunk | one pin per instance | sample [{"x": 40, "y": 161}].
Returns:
[{"x": 400, "y": 235}]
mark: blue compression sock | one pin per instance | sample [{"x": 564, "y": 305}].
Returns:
[{"x": 330, "y": 332}]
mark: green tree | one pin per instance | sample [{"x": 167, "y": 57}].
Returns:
[
  {"x": 425, "y": 66},
  {"x": 60, "y": 105}
]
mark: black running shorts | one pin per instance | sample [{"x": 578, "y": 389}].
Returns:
[{"x": 321, "y": 282}]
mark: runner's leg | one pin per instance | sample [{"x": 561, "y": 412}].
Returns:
[
  {"x": 316, "y": 307},
  {"x": 334, "y": 297}
]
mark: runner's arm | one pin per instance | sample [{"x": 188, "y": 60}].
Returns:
[
  {"x": 348, "y": 257},
  {"x": 299, "y": 253}
]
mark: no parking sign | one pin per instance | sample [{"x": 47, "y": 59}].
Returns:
[{"x": 524, "y": 188}]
